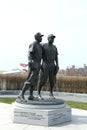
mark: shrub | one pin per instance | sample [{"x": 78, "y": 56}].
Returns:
[{"x": 73, "y": 84}]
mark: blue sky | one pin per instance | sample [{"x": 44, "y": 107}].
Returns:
[{"x": 21, "y": 19}]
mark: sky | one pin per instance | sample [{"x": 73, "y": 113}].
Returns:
[{"x": 21, "y": 19}]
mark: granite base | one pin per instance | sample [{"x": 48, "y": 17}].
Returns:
[{"x": 45, "y": 115}]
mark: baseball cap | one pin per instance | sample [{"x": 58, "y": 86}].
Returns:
[
  {"x": 51, "y": 36},
  {"x": 38, "y": 35}
]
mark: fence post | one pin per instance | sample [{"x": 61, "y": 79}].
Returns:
[{"x": 3, "y": 87}]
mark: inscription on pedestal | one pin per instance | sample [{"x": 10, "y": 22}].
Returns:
[
  {"x": 42, "y": 113},
  {"x": 29, "y": 115}
]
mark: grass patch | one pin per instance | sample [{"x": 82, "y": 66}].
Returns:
[
  {"x": 7, "y": 100},
  {"x": 79, "y": 105}
]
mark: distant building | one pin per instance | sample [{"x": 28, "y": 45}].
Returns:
[
  {"x": 85, "y": 69},
  {"x": 73, "y": 71},
  {"x": 61, "y": 72}
]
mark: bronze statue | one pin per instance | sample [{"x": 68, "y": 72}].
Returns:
[
  {"x": 49, "y": 65},
  {"x": 34, "y": 57}
]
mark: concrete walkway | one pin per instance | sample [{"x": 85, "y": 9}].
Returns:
[
  {"x": 79, "y": 97},
  {"x": 79, "y": 121}
]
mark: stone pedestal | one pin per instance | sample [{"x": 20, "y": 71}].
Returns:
[{"x": 47, "y": 112}]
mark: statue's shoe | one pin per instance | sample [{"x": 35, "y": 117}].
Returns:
[
  {"x": 51, "y": 96},
  {"x": 31, "y": 98},
  {"x": 39, "y": 97},
  {"x": 21, "y": 97}
]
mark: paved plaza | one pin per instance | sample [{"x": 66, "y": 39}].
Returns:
[{"x": 79, "y": 121}]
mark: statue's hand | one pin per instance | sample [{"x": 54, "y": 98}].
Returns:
[
  {"x": 56, "y": 69},
  {"x": 30, "y": 64},
  {"x": 33, "y": 65}
]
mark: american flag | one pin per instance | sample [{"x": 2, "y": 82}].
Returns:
[{"x": 23, "y": 65}]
